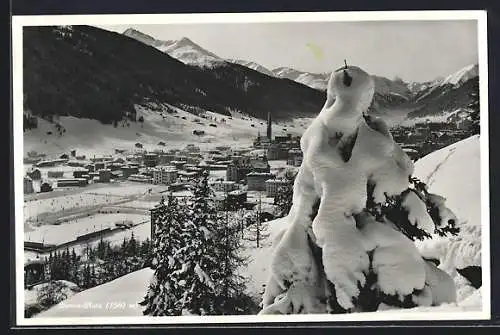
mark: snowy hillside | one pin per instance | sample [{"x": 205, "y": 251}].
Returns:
[
  {"x": 454, "y": 173},
  {"x": 462, "y": 75},
  {"x": 286, "y": 72},
  {"x": 175, "y": 130},
  {"x": 126, "y": 292},
  {"x": 446, "y": 95},
  {"x": 146, "y": 39},
  {"x": 110, "y": 80}
]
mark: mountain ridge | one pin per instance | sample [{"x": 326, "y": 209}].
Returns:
[{"x": 88, "y": 72}]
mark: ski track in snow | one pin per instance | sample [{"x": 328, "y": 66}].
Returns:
[{"x": 429, "y": 181}]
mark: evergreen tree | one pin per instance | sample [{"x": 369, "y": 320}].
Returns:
[
  {"x": 168, "y": 261},
  {"x": 132, "y": 246},
  {"x": 202, "y": 294},
  {"x": 123, "y": 247},
  {"x": 101, "y": 249},
  {"x": 195, "y": 259},
  {"x": 232, "y": 299}
]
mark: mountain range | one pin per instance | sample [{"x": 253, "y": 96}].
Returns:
[
  {"x": 388, "y": 93},
  {"x": 88, "y": 72},
  {"x": 428, "y": 98}
]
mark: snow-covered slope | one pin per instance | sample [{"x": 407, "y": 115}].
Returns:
[
  {"x": 90, "y": 137},
  {"x": 451, "y": 81},
  {"x": 119, "y": 297},
  {"x": 454, "y": 173},
  {"x": 462, "y": 75},
  {"x": 252, "y": 65},
  {"x": 386, "y": 86}
]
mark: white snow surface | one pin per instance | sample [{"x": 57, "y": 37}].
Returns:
[
  {"x": 417, "y": 213},
  {"x": 119, "y": 297},
  {"x": 90, "y": 137},
  {"x": 454, "y": 173}
]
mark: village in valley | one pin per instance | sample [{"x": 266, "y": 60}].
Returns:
[{"x": 73, "y": 202}]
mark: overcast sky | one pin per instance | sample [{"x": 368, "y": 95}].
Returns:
[{"x": 412, "y": 50}]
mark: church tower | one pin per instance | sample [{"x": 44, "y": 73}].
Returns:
[{"x": 269, "y": 126}]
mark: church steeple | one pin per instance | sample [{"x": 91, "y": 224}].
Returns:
[{"x": 269, "y": 126}]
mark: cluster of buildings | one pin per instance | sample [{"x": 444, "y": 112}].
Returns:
[
  {"x": 281, "y": 147},
  {"x": 424, "y": 138}
]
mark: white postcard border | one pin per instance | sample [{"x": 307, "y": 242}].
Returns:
[{"x": 401, "y": 315}]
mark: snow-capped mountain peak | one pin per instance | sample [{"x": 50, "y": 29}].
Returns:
[
  {"x": 453, "y": 80},
  {"x": 191, "y": 53},
  {"x": 131, "y": 32},
  {"x": 184, "y": 49},
  {"x": 462, "y": 75},
  {"x": 252, "y": 65}
]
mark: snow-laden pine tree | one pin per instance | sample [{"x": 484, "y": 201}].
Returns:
[
  {"x": 166, "y": 288},
  {"x": 355, "y": 251},
  {"x": 195, "y": 258},
  {"x": 214, "y": 286}
]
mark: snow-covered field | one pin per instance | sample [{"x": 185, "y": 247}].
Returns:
[
  {"x": 34, "y": 208},
  {"x": 140, "y": 204},
  {"x": 68, "y": 231},
  {"x": 126, "y": 188}
]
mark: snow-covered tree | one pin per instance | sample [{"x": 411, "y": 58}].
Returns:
[
  {"x": 214, "y": 286},
  {"x": 356, "y": 252},
  {"x": 162, "y": 297},
  {"x": 195, "y": 259}
]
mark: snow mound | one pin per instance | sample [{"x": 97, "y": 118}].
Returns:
[
  {"x": 454, "y": 173},
  {"x": 119, "y": 297}
]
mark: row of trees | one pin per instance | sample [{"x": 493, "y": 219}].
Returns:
[{"x": 99, "y": 264}]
